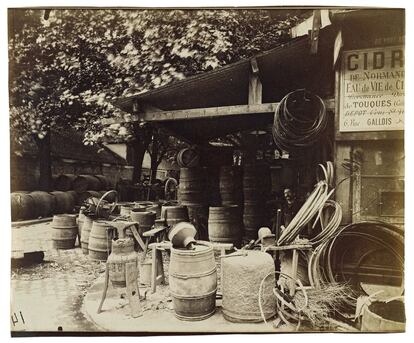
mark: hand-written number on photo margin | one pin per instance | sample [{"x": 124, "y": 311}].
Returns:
[{"x": 15, "y": 319}]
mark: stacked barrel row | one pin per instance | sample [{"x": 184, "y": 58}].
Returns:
[
  {"x": 256, "y": 192},
  {"x": 243, "y": 194},
  {"x": 71, "y": 190},
  {"x": 193, "y": 193}
]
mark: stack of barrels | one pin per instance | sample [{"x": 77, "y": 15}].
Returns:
[
  {"x": 192, "y": 192},
  {"x": 70, "y": 190},
  {"x": 256, "y": 192}
]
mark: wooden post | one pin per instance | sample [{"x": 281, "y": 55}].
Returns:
[
  {"x": 295, "y": 260},
  {"x": 105, "y": 288},
  {"x": 154, "y": 270},
  {"x": 132, "y": 289}
]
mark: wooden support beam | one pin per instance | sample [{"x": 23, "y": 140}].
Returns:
[
  {"x": 203, "y": 113},
  {"x": 255, "y": 85}
]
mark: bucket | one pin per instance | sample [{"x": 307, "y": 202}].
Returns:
[
  {"x": 99, "y": 240},
  {"x": 174, "y": 214},
  {"x": 193, "y": 282},
  {"x": 145, "y": 219},
  {"x": 384, "y": 317},
  {"x": 224, "y": 224},
  {"x": 64, "y": 231}
]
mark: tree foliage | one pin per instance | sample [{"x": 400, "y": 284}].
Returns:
[{"x": 66, "y": 70}]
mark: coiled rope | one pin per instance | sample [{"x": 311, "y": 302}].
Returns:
[{"x": 300, "y": 119}]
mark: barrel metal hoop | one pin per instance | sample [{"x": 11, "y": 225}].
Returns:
[
  {"x": 192, "y": 276},
  {"x": 186, "y": 297}
]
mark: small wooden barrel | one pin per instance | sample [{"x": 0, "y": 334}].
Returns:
[
  {"x": 174, "y": 214},
  {"x": 44, "y": 203},
  {"x": 86, "y": 230},
  {"x": 224, "y": 224},
  {"x": 64, "y": 231},
  {"x": 193, "y": 282},
  {"x": 99, "y": 240},
  {"x": 145, "y": 219}
]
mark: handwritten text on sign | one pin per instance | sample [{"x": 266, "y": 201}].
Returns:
[{"x": 372, "y": 90}]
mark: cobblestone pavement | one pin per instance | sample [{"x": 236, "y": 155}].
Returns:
[{"x": 48, "y": 296}]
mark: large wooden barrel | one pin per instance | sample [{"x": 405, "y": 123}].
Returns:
[
  {"x": 193, "y": 282},
  {"x": 86, "y": 230},
  {"x": 145, "y": 219},
  {"x": 192, "y": 186},
  {"x": 174, "y": 214},
  {"x": 188, "y": 158},
  {"x": 241, "y": 279},
  {"x": 44, "y": 203},
  {"x": 104, "y": 181},
  {"x": 83, "y": 183},
  {"x": 22, "y": 206},
  {"x": 224, "y": 224},
  {"x": 65, "y": 203},
  {"x": 384, "y": 317},
  {"x": 231, "y": 185},
  {"x": 99, "y": 240},
  {"x": 64, "y": 182},
  {"x": 64, "y": 231},
  {"x": 256, "y": 190}
]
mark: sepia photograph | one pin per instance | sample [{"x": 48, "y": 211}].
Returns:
[{"x": 206, "y": 170}]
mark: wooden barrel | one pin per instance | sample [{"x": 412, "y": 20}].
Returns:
[
  {"x": 256, "y": 190},
  {"x": 384, "y": 317},
  {"x": 64, "y": 182},
  {"x": 193, "y": 282},
  {"x": 198, "y": 215},
  {"x": 65, "y": 202},
  {"x": 192, "y": 186},
  {"x": 111, "y": 197},
  {"x": 81, "y": 219},
  {"x": 241, "y": 279},
  {"x": 174, "y": 214},
  {"x": 224, "y": 224},
  {"x": 188, "y": 158},
  {"x": 82, "y": 197},
  {"x": 104, "y": 181},
  {"x": 64, "y": 231},
  {"x": 74, "y": 196},
  {"x": 231, "y": 185},
  {"x": 83, "y": 183},
  {"x": 22, "y": 206},
  {"x": 125, "y": 210},
  {"x": 86, "y": 230},
  {"x": 145, "y": 219},
  {"x": 99, "y": 240},
  {"x": 44, "y": 203}
]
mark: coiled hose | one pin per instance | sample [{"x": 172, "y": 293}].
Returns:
[{"x": 299, "y": 121}]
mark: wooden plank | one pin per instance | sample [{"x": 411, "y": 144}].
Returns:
[
  {"x": 31, "y": 222},
  {"x": 105, "y": 290},
  {"x": 132, "y": 289},
  {"x": 150, "y": 115}
]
